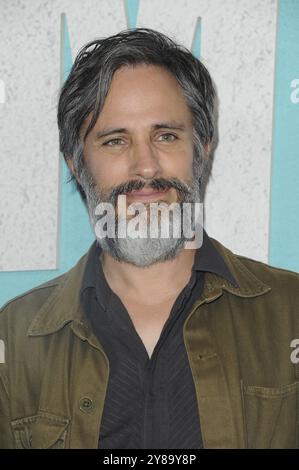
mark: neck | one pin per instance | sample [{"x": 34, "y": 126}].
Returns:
[{"x": 160, "y": 280}]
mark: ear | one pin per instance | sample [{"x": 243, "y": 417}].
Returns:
[
  {"x": 207, "y": 148},
  {"x": 70, "y": 164}
]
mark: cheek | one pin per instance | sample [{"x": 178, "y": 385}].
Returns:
[
  {"x": 181, "y": 165},
  {"x": 108, "y": 173}
]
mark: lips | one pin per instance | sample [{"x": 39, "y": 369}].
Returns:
[{"x": 148, "y": 193}]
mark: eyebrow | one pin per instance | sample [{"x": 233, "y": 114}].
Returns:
[{"x": 160, "y": 125}]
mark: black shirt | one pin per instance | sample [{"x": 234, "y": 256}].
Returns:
[{"x": 150, "y": 403}]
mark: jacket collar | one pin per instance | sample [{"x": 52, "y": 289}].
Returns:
[
  {"x": 63, "y": 304},
  {"x": 248, "y": 284}
]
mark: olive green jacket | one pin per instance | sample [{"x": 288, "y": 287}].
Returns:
[{"x": 54, "y": 372}]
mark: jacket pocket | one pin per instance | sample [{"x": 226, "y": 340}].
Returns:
[
  {"x": 41, "y": 431},
  {"x": 271, "y": 416}
]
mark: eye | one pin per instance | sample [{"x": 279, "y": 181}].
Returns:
[
  {"x": 113, "y": 142},
  {"x": 168, "y": 137}
]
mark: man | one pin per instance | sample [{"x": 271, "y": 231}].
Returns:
[{"x": 148, "y": 342}]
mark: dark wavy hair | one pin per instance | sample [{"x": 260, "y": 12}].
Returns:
[{"x": 88, "y": 83}]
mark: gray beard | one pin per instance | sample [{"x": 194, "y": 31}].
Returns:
[{"x": 141, "y": 252}]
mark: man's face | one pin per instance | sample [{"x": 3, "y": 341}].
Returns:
[
  {"x": 139, "y": 100},
  {"x": 143, "y": 134}
]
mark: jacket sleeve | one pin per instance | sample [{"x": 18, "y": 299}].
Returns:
[{"x": 6, "y": 437}]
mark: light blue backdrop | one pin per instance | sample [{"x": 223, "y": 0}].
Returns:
[{"x": 284, "y": 209}]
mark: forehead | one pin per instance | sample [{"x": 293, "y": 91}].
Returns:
[
  {"x": 145, "y": 86},
  {"x": 140, "y": 95},
  {"x": 144, "y": 77}
]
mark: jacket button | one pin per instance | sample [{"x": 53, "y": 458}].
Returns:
[{"x": 86, "y": 404}]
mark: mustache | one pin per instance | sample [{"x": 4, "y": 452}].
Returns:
[{"x": 157, "y": 184}]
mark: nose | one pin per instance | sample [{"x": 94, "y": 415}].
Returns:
[{"x": 144, "y": 161}]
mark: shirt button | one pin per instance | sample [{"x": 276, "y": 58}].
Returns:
[{"x": 86, "y": 404}]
